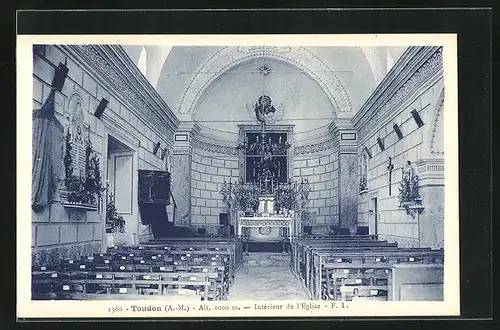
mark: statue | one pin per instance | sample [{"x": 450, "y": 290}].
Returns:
[
  {"x": 265, "y": 112},
  {"x": 263, "y": 107},
  {"x": 409, "y": 185}
]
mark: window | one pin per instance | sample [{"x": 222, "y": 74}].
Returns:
[{"x": 141, "y": 63}]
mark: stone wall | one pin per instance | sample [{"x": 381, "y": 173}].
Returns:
[
  {"x": 321, "y": 170},
  {"x": 59, "y": 232},
  {"x": 208, "y": 172},
  {"x": 394, "y": 223}
]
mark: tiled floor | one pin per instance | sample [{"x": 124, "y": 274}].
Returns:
[{"x": 266, "y": 276}]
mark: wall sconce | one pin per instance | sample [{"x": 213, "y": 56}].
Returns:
[
  {"x": 156, "y": 147},
  {"x": 398, "y": 131},
  {"x": 101, "y": 107},
  {"x": 163, "y": 154},
  {"x": 368, "y": 152},
  {"x": 417, "y": 118},
  {"x": 380, "y": 144}
]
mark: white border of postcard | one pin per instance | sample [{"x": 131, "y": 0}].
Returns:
[{"x": 26, "y": 308}]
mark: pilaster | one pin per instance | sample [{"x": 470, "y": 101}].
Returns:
[
  {"x": 347, "y": 150},
  {"x": 181, "y": 171},
  {"x": 431, "y": 188}
]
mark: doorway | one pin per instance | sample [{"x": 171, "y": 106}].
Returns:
[
  {"x": 120, "y": 185},
  {"x": 374, "y": 216}
]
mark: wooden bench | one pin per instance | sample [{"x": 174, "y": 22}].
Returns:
[
  {"x": 328, "y": 267},
  {"x": 126, "y": 270}
]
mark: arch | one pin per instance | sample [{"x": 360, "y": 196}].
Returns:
[{"x": 299, "y": 57}]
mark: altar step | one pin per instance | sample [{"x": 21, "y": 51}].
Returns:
[
  {"x": 276, "y": 247},
  {"x": 256, "y": 259}
]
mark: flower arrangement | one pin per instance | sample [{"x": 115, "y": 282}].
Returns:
[
  {"x": 408, "y": 190},
  {"x": 85, "y": 190},
  {"x": 114, "y": 222},
  {"x": 288, "y": 198}
]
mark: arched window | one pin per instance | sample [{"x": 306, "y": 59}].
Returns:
[{"x": 141, "y": 64}]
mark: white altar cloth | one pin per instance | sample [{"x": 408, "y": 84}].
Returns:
[{"x": 272, "y": 221}]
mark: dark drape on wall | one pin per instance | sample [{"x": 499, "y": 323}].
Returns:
[{"x": 47, "y": 142}]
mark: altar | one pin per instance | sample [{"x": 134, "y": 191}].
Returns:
[{"x": 265, "y": 227}]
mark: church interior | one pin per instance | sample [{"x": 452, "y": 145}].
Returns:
[{"x": 237, "y": 173}]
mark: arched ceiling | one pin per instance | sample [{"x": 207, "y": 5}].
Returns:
[{"x": 341, "y": 77}]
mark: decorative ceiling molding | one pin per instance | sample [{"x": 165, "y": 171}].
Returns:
[
  {"x": 215, "y": 148},
  {"x": 438, "y": 117},
  {"x": 109, "y": 63},
  {"x": 398, "y": 94},
  {"x": 299, "y": 57},
  {"x": 306, "y": 149}
]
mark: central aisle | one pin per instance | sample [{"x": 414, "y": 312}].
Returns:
[{"x": 266, "y": 276}]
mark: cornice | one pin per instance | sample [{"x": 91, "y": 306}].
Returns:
[
  {"x": 413, "y": 69},
  {"x": 117, "y": 72},
  {"x": 215, "y": 148},
  {"x": 329, "y": 142}
]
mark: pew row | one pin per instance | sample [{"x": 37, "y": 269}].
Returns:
[{"x": 363, "y": 268}]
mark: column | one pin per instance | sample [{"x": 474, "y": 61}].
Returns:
[
  {"x": 347, "y": 173},
  {"x": 431, "y": 188},
  {"x": 181, "y": 171}
]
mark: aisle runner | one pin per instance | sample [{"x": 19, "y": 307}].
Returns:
[{"x": 266, "y": 276}]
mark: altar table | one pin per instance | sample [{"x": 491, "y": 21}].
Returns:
[{"x": 271, "y": 221}]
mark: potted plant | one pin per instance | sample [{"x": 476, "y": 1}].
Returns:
[{"x": 115, "y": 224}]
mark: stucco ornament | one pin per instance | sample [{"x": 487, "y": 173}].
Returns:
[{"x": 264, "y": 111}]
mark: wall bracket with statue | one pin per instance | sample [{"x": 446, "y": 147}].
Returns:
[{"x": 409, "y": 195}]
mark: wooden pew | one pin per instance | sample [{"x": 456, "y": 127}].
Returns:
[
  {"x": 326, "y": 265},
  {"x": 234, "y": 242},
  {"x": 126, "y": 282},
  {"x": 212, "y": 253},
  {"x": 299, "y": 244},
  {"x": 163, "y": 269},
  {"x": 303, "y": 250}
]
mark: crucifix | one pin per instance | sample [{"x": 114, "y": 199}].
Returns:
[
  {"x": 390, "y": 167},
  {"x": 266, "y": 183}
]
